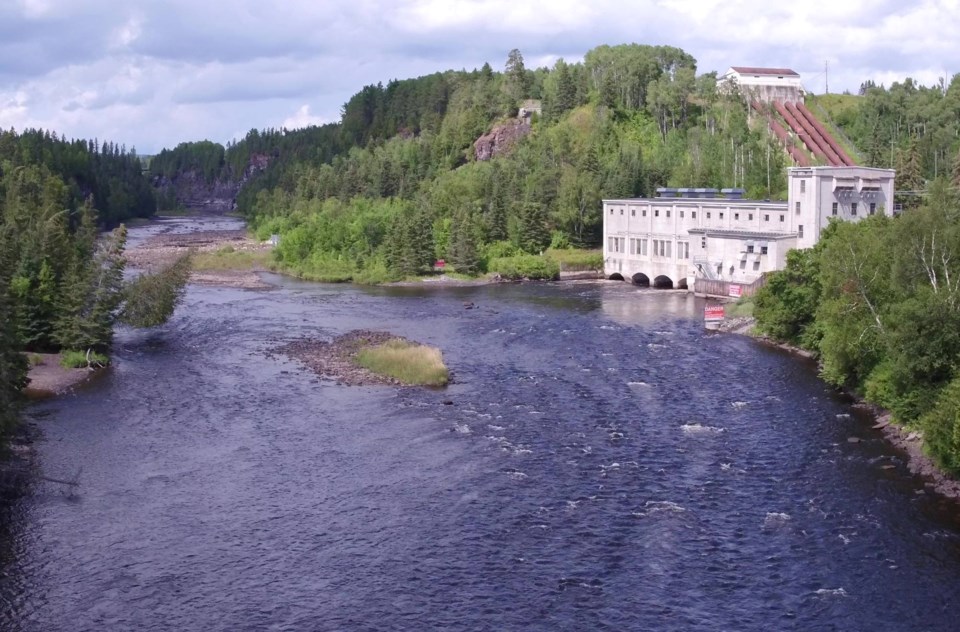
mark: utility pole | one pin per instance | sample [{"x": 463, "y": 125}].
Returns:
[{"x": 826, "y": 77}]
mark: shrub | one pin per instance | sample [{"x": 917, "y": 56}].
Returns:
[
  {"x": 941, "y": 428},
  {"x": 410, "y": 363},
  {"x": 83, "y": 359},
  {"x": 526, "y": 267},
  {"x": 574, "y": 260}
]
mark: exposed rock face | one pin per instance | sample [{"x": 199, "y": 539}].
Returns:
[
  {"x": 500, "y": 139},
  {"x": 194, "y": 193}
]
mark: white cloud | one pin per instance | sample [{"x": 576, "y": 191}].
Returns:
[
  {"x": 302, "y": 118},
  {"x": 158, "y": 72}
]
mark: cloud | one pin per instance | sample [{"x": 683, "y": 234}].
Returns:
[
  {"x": 302, "y": 118},
  {"x": 157, "y": 72}
]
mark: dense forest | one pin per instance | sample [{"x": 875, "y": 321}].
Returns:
[
  {"x": 61, "y": 281},
  {"x": 349, "y": 198},
  {"x": 912, "y": 128},
  {"x": 879, "y": 303}
]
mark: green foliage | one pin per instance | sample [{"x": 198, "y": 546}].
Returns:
[
  {"x": 83, "y": 359},
  {"x": 150, "y": 299},
  {"x": 577, "y": 260},
  {"x": 879, "y": 301},
  {"x": 941, "y": 428},
  {"x": 525, "y": 267},
  {"x": 417, "y": 365}
]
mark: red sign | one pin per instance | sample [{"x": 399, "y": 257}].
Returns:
[
  {"x": 440, "y": 263},
  {"x": 736, "y": 291},
  {"x": 712, "y": 313}
]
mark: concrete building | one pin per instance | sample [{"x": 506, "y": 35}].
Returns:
[
  {"x": 682, "y": 234},
  {"x": 765, "y": 84}
]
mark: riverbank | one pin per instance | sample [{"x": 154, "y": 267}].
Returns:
[
  {"x": 908, "y": 440},
  {"x": 48, "y": 378},
  {"x": 224, "y": 258}
]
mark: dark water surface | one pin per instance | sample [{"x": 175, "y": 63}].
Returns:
[{"x": 605, "y": 465}]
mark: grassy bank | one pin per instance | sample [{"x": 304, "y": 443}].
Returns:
[
  {"x": 230, "y": 258},
  {"x": 413, "y": 364}
]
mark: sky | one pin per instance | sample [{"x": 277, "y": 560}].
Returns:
[{"x": 153, "y": 73}]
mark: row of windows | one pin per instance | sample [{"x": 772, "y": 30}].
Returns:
[
  {"x": 853, "y": 208},
  {"x": 658, "y": 247},
  {"x": 736, "y": 216}
]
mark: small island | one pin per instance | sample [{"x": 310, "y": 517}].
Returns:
[{"x": 365, "y": 358}]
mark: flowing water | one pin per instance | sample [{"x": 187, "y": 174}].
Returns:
[{"x": 604, "y": 465}]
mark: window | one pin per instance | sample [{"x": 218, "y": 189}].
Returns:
[
  {"x": 611, "y": 211},
  {"x": 656, "y": 213},
  {"x": 668, "y": 213},
  {"x": 798, "y": 208},
  {"x": 800, "y": 230},
  {"x": 633, "y": 212},
  {"x": 763, "y": 250},
  {"x": 833, "y": 208},
  {"x": 766, "y": 217},
  {"x": 756, "y": 265},
  {"x": 781, "y": 218},
  {"x": 736, "y": 216},
  {"x": 750, "y": 248},
  {"x": 610, "y": 245},
  {"x": 703, "y": 242},
  {"x": 853, "y": 208},
  {"x": 643, "y": 247},
  {"x": 750, "y": 217},
  {"x": 681, "y": 214},
  {"x": 708, "y": 215},
  {"x": 621, "y": 211},
  {"x": 623, "y": 244},
  {"x": 644, "y": 212},
  {"x": 803, "y": 189},
  {"x": 721, "y": 215},
  {"x": 873, "y": 208},
  {"x": 693, "y": 214},
  {"x": 668, "y": 244},
  {"x": 633, "y": 246},
  {"x": 743, "y": 264}
]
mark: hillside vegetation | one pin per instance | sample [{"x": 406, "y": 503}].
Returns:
[{"x": 396, "y": 184}]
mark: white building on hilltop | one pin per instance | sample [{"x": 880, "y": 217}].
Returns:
[
  {"x": 670, "y": 240},
  {"x": 765, "y": 84}
]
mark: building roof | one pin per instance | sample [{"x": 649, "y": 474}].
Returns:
[{"x": 750, "y": 70}]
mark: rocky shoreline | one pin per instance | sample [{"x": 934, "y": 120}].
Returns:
[
  {"x": 910, "y": 441},
  {"x": 335, "y": 359},
  {"x": 49, "y": 379},
  {"x": 162, "y": 250}
]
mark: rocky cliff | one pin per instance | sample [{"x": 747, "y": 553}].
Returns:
[
  {"x": 191, "y": 191},
  {"x": 500, "y": 139}
]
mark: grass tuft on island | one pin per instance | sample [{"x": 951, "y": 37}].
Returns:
[
  {"x": 362, "y": 358},
  {"x": 405, "y": 361}
]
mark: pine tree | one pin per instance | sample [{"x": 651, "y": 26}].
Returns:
[
  {"x": 13, "y": 364},
  {"x": 534, "y": 236},
  {"x": 955, "y": 176},
  {"x": 463, "y": 246}
]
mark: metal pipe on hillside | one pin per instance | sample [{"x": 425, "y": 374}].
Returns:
[
  {"x": 847, "y": 160},
  {"x": 798, "y": 155},
  {"x": 832, "y": 158},
  {"x": 802, "y": 134}
]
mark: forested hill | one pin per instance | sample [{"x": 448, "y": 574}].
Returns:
[
  {"x": 107, "y": 172},
  {"x": 912, "y": 128},
  {"x": 347, "y": 197}
]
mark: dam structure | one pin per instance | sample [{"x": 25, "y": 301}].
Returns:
[{"x": 683, "y": 234}]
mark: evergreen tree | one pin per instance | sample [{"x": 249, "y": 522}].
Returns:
[
  {"x": 534, "y": 236},
  {"x": 13, "y": 364},
  {"x": 463, "y": 246}
]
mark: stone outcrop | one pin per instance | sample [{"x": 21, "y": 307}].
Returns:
[
  {"x": 195, "y": 193},
  {"x": 500, "y": 139}
]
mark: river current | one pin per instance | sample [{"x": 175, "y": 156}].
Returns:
[{"x": 599, "y": 463}]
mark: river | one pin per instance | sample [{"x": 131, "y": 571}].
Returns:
[{"x": 599, "y": 463}]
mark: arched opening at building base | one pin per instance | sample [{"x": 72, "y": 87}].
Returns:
[
  {"x": 616, "y": 276},
  {"x": 640, "y": 279},
  {"x": 663, "y": 282},
  {"x": 682, "y": 284}
]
